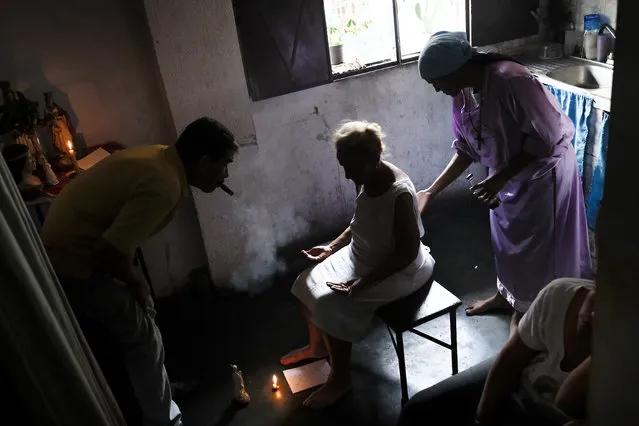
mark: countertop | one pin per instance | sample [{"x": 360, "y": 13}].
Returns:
[{"x": 541, "y": 67}]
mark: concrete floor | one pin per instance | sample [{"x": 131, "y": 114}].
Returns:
[{"x": 254, "y": 332}]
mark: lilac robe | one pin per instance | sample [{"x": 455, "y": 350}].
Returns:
[{"x": 539, "y": 232}]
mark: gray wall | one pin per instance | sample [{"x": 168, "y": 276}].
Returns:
[
  {"x": 98, "y": 59},
  {"x": 289, "y": 187},
  {"x": 608, "y": 8}
]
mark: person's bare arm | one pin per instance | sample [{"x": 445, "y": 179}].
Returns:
[
  {"x": 503, "y": 378},
  {"x": 453, "y": 170},
  {"x": 341, "y": 241},
  {"x": 319, "y": 253},
  {"x": 407, "y": 243},
  {"x": 135, "y": 223},
  {"x": 572, "y": 397}
]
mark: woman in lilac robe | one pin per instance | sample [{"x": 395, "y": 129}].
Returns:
[{"x": 506, "y": 120}]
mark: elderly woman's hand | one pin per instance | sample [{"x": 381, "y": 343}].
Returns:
[
  {"x": 349, "y": 288},
  {"x": 318, "y": 253}
]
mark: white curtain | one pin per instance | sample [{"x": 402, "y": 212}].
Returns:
[{"x": 42, "y": 349}]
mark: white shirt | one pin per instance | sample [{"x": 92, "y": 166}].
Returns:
[{"x": 542, "y": 329}]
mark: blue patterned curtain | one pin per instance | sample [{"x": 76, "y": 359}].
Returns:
[
  {"x": 592, "y": 166},
  {"x": 599, "y": 166},
  {"x": 578, "y": 108}
]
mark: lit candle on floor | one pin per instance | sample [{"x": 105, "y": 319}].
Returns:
[{"x": 275, "y": 387}]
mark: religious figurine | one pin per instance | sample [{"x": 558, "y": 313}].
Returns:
[
  {"x": 13, "y": 118},
  {"x": 20, "y": 117},
  {"x": 241, "y": 395},
  {"x": 62, "y": 133},
  {"x": 10, "y": 114},
  {"x": 49, "y": 176},
  {"x": 21, "y": 165},
  {"x": 30, "y": 164}
]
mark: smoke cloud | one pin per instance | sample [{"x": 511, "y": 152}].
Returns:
[{"x": 265, "y": 230}]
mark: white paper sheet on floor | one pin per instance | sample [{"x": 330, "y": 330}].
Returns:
[{"x": 307, "y": 376}]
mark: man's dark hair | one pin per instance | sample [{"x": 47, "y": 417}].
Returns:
[{"x": 204, "y": 137}]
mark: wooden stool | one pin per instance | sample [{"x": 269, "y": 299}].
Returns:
[{"x": 429, "y": 302}]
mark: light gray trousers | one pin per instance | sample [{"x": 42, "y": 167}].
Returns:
[{"x": 109, "y": 302}]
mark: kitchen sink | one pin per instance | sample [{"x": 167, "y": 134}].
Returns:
[{"x": 584, "y": 76}]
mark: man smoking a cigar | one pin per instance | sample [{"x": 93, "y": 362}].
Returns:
[{"x": 103, "y": 215}]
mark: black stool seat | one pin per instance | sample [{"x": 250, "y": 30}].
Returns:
[{"x": 429, "y": 302}]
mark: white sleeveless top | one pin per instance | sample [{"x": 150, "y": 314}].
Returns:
[{"x": 372, "y": 226}]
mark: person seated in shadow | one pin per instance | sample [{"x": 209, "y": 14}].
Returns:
[
  {"x": 540, "y": 376},
  {"x": 379, "y": 258}
]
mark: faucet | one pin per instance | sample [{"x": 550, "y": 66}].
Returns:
[
  {"x": 607, "y": 27},
  {"x": 613, "y": 34}
]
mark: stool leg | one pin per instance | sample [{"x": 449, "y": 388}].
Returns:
[
  {"x": 453, "y": 340},
  {"x": 402, "y": 367}
]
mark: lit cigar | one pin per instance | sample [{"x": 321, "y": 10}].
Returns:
[{"x": 226, "y": 189}]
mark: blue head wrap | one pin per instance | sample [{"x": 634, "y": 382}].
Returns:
[{"x": 444, "y": 53}]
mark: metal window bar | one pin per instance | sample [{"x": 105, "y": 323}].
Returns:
[
  {"x": 386, "y": 64},
  {"x": 398, "y": 46}
]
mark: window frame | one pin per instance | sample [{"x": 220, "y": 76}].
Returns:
[
  {"x": 269, "y": 74},
  {"x": 399, "y": 61}
]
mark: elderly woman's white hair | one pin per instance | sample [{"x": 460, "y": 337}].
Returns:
[{"x": 361, "y": 136}]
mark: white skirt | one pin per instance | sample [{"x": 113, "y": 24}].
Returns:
[{"x": 348, "y": 318}]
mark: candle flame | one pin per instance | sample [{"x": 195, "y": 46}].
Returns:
[
  {"x": 274, "y": 380},
  {"x": 70, "y": 145}
]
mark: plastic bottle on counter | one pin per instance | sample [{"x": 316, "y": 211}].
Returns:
[{"x": 592, "y": 23}]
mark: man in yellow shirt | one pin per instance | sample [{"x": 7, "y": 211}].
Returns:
[{"x": 96, "y": 223}]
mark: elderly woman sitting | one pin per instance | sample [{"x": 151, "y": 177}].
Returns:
[
  {"x": 379, "y": 258},
  {"x": 540, "y": 377}
]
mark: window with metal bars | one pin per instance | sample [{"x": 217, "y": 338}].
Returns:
[
  {"x": 365, "y": 34},
  {"x": 291, "y": 45}
]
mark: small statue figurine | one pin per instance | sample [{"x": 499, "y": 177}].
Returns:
[
  {"x": 57, "y": 119},
  {"x": 20, "y": 118},
  {"x": 22, "y": 165},
  {"x": 49, "y": 175},
  {"x": 241, "y": 395}
]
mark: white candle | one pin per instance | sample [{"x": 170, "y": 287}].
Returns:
[{"x": 72, "y": 154}]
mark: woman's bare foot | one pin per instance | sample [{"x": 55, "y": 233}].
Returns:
[
  {"x": 328, "y": 394},
  {"x": 302, "y": 354},
  {"x": 495, "y": 303}
]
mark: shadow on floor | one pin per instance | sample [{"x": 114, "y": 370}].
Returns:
[{"x": 206, "y": 330}]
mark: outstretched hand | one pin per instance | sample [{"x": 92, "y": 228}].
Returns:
[
  {"x": 423, "y": 198},
  {"x": 348, "y": 288},
  {"x": 318, "y": 253}
]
